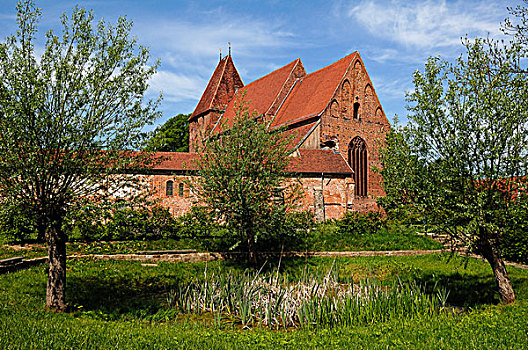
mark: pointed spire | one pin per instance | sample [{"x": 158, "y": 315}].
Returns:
[
  {"x": 229, "y": 43},
  {"x": 220, "y": 54}
]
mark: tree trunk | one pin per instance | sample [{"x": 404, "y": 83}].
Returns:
[
  {"x": 492, "y": 254},
  {"x": 56, "y": 289}
]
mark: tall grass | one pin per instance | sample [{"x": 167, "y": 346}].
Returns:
[{"x": 277, "y": 301}]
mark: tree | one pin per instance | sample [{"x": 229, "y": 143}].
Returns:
[
  {"x": 241, "y": 179},
  {"x": 462, "y": 158},
  {"x": 173, "y": 136},
  {"x": 66, "y": 119}
]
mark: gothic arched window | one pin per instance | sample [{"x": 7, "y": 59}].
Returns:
[
  {"x": 357, "y": 158},
  {"x": 369, "y": 101},
  {"x": 334, "y": 109},
  {"x": 169, "y": 188}
]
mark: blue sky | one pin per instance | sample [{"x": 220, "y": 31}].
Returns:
[{"x": 393, "y": 37}]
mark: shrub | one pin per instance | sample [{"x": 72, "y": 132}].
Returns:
[
  {"x": 514, "y": 241},
  {"x": 93, "y": 223},
  {"x": 361, "y": 224},
  {"x": 288, "y": 231},
  {"x": 16, "y": 223}
]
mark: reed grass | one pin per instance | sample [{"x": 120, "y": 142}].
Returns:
[{"x": 314, "y": 300}]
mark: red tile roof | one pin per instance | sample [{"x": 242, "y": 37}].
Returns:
[
  {"x": 176, "y": 161},
  {"x": 261, "y": 93},
  {"x": 208, "y": 97},
  {"x": 312, "y": 94},
  {"x": 312, "y": 161},
  {"x": 319, "y": 161}
]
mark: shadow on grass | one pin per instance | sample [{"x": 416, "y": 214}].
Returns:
[
  {"x": 112, "y": 299},
  {"x": 470, "y": 290}
]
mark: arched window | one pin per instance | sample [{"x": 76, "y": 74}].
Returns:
[
  {"x": 356, "y": 110},
  {"x": 379, "y": 115},
  {"x": 357, "y": 77},
  {"x": 357, "y": 158},
  {"x": 334, "y": 109},
  {"x": 180, "y": 189},
  {"x": 369, "y": 102},
  {"x": 169, "y": 188}
]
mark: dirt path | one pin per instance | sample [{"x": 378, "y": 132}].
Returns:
[{"x": 202, "y": 257}]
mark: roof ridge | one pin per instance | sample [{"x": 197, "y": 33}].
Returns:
[
  {"x": 203, "y": 104},
  {"x": 221, "y": 78},
  {"x": 297, "y": 61},
  {"x": 272, "y": 72},
  {"x": 298, "y": 80}
]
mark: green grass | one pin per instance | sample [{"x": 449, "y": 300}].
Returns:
[
  {"x": 327, "y": 237},
  {"x": 123, "y": 305}
]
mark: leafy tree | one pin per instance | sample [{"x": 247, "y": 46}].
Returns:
[
  {"x": 66, "y": 118},
  {"x": 173, "y": 136},
  {"x": 462, "y": 158},
  {"x": 241, "y": 180}
]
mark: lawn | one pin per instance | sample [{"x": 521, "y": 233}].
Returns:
[{"x": 124, "y": 305}]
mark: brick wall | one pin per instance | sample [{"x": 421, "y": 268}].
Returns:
[{"x": 337, "y": 191}]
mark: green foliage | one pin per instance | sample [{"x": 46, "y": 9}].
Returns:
[
  {"x": 462, "y": 157},
  {"x": 17, "y": 224},
  {"x": 84, "y": 94},
  {"x": 93, "y": 223},
  {"x": 67, "y": 116},
  {"x": 172, "y": 136},
  {"x": 241, "y": 181},
  {"x": 360, "y": 224},
  {"x": 514, "y": 241}
]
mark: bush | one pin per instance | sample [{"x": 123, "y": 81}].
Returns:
[
  {"x": 514, "y": 242},
  {"x": 288, "y": 231},
  {"x": 91, "y": 223},
  {"x": 361, "y": 224},
  {"x": 17, "y": 224}
]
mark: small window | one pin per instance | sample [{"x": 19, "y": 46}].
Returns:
[
  {"x": 169, "y": 190},
  {"x": 180, "y": 189},
  {"x": 356, "y": 110}
]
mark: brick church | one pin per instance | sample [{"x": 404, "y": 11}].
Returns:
[{"x": 333, "y": 114}]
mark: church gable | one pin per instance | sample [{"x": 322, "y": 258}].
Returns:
[{"x": 354, "y": 123}]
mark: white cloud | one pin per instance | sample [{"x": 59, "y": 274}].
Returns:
[
  {"x": 177, "y": 87},
  {"x": 428, "y": 24},
  {"x": 205, "y": 38},
  {"x": 395, "y": 88}
]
